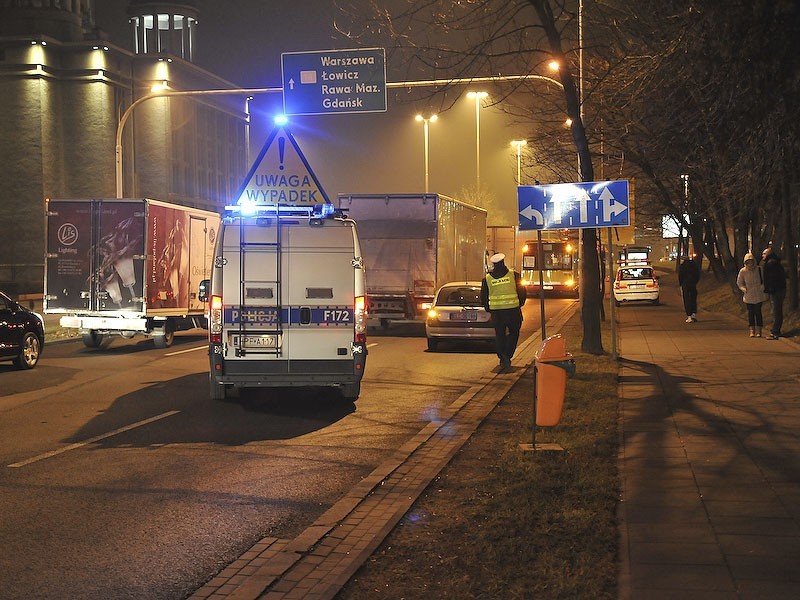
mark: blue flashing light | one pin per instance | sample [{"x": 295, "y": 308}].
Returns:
[
  {"x": 325, "y": 210},
  {"x": 252, "y": 209},
  {"x": 281, "y": 119},
  {"x": 248, "y": 208}
]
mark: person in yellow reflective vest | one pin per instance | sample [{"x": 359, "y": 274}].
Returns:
[{"x": 503, "y": 295}]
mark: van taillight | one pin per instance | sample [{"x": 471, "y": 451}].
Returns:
[
  {"x": 215, "y": 320},
  {"x": 360, "y": 317}
]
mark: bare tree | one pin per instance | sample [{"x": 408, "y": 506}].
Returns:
[{"x": 473, "y": 38}]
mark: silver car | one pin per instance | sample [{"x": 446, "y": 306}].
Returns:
[{"x": 457, "y": 314}]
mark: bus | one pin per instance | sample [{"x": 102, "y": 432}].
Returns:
[{"x": 559, "y": 269}]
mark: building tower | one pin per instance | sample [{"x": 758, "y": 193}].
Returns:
[
  {"x": 63, "y": 20},
  {"x": 164, "y": 27},
  {"x": 63, "y": 88}
]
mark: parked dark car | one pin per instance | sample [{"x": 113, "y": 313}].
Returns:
[{"x": 21, "y": 334}]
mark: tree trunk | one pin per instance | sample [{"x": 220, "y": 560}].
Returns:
[{"x": 591, "y": 299}]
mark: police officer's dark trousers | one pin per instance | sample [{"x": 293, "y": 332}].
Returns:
[{"x": 507, "y": 323}]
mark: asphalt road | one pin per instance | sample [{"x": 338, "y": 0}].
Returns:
[{"x": 119, "y": 478}]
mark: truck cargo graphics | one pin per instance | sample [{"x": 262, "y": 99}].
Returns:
[{"x": 127, "y": 266}]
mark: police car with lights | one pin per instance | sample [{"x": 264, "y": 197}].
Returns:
[{"x": 287, "y": 300}]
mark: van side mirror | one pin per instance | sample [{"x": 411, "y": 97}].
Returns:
[{"x": 205, "y": 285}]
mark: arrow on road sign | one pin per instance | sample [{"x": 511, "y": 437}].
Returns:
[{"x": 532, "y": 214}]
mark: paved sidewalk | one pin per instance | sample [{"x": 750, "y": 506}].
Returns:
[{"x": 709, "y": 458}]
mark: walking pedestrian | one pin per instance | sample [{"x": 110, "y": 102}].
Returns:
[
  {"x": 751, "y": 281},
  {"x": 775, "y": 287},
  {"x": 503, "y": 295},
  {"x": 688, "y": 278}
]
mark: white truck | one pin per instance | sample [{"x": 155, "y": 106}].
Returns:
[
  {"x": 127, "y": 266},
  {"x": 287, "y": 304},
  {"x": 413, "y": 244},
  {"x": 503, "y": 238}
]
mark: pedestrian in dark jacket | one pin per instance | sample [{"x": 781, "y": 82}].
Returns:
[
  {"x": 503, "y": 295},
  {"x": 775, "y": 286},
  {"x": 688, "y": 278}
]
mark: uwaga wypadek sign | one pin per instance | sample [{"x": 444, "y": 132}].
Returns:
[{"x": 281, "y": 175}]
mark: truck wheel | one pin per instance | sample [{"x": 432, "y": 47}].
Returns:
[
  {"x": 92, "y": 339},
  {"x": 217, "y": 390},
  {"x": 29, "y": 354},
  {"x": 433, "y": 344},
  {"x": 351, "y": 391},
  {"x": 163, "y": 338}
]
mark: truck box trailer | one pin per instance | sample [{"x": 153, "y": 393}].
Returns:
[
  {"x": 503, "y": 238},
  {"x": 412, "y": 245},
  {"x": 127, "y": 266}
]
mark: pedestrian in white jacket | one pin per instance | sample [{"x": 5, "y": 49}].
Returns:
[{"x": 751, "y": 282}]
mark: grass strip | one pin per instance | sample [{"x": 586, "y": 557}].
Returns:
[{"x": 501, "y": 523}]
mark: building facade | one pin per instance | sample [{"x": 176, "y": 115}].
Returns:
[{"x": 64, "y": 88}]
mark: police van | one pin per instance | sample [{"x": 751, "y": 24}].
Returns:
[{"x": 287, "y": 300}]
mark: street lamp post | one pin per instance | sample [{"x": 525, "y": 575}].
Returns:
[
  {"x": 426, "y": 139},
  {"x": 478, "y": 96},
  {"x": 161, "y": 93},
  {"x": 518, "y": 144}
]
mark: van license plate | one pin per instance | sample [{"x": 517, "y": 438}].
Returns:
[{"x": 255, "y": 341}]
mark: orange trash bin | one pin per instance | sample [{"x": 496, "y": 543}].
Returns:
[{"x": 553, "y": 363}]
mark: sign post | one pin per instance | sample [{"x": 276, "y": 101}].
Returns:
[{"x": 334, "y": 81}]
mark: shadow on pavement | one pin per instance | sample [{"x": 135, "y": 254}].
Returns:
[{"x": 257, "y": 415}]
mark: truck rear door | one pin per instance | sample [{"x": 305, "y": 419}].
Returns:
[{"x": 95, "y": 258}]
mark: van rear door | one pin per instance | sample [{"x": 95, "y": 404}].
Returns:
[{"x": 318, "y": 284}]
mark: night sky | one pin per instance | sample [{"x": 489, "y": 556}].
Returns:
[{"x": 242, "y": 41}]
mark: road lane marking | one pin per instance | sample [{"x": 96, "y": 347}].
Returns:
[
  {"x": 371, "y": 345},
  {"x": 189, "y": 350},
  {"x": 92, "y": 440}
]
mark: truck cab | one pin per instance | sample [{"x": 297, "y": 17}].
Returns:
[{"x": 287, "y": 301}]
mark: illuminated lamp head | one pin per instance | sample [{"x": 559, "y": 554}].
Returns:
[{"x": 281, "y": 119}]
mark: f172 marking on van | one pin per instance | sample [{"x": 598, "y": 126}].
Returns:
[
  {"x": 322, "y": 315},
  {"x": 337, "y": 316}
]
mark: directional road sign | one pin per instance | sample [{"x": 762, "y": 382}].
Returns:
[
  {"x": 334, "y": 81},
  {"x": 573, "y": 205}
]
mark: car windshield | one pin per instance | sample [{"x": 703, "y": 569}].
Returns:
[
  {"x": 640, "y": 273},
  {"x": 459, "y": 296}
]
